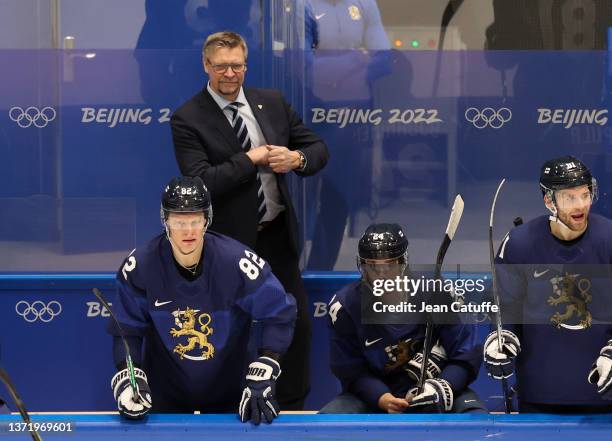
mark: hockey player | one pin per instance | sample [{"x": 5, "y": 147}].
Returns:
[
  {"x": 191, "y": 296},
  {"x": 549, "y": 271},
  {"x": 378, "y": 365}
]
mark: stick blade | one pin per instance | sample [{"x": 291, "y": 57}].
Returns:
[{"x": 455, "y": 217}]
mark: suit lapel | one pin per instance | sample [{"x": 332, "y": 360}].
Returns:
[
  {"x": 260, "y": 112},
  {"x": 215, "y": 118}
]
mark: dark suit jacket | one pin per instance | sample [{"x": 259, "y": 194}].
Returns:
[{"x": 205, "y": 145}]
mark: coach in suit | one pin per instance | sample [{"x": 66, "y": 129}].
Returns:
[{"x": 242, "y": 142}]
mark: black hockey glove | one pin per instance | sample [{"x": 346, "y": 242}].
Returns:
[
  {"x": 128, "y": 405},
  {"x": 258, "y": 397},
  {"x": 500, "y": 364},
  {"x": 437, "y": 397},
  {"x": 435, "y": 363},
  {"x": 601, "y": 372}
]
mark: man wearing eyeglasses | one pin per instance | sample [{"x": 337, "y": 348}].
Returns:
[{"x": 242, "y": 142}]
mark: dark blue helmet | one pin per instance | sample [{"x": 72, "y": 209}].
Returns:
[
  {"x": 383, "y": 241},
  {"x": 186, "y": 195},
  {"x": 566, "y": 172}
]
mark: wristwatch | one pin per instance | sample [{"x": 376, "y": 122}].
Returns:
[{"x": 302, "y": 160}]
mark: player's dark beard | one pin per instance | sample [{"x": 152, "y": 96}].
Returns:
[{"x": 566, "y": 218}]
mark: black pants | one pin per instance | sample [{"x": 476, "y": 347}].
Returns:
[
  {"x": 329, "y": 231},
  {"x": 294, "y": 382}
]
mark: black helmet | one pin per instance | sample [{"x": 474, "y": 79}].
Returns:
[
  {"x": 383, "y": 241},
  {"x": 565, "y": 172},
  {"x": 186, "y": 195}
]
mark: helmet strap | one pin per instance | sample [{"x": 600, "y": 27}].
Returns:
[
  {"x": 554, "y": 217},
  {"x": 552, "y": 207},
  {"x": 558, "y": 221},
  {"x": 176, "y": 251},
  {"x": 551, "y": 204},
  {"x": 179, "y": 255}
]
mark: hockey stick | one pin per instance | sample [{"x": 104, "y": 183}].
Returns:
[
  {"x": 496, "y": 300},
  {"x": 451, "y": 228},
  {"x": 22, "y": 410},
  {"x": 128, "y": 358}
]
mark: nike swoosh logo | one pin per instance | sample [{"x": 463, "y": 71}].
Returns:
[
  {"x": 320, "y": 16},
  {"x": 537, "y": 274},
  {"x": 158, "y": 303},
  {"x": 370, "y": 343}
]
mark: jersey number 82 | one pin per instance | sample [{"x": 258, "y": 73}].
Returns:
[{"x": 251, "y": 265}]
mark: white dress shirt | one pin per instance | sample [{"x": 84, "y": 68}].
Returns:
[{"x": 268, "y": 181}]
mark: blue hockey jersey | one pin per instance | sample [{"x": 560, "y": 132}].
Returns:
[
  {"x": 556, "y": 296},
  {"x": 347, "y": 24},
  {"x": 196, "y": 333},
  {"x": 370, "y": 360}
]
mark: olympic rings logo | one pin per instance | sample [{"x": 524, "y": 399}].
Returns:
[
  {"x": 32, "y": 115},
  {"x": 488, "y": 117},
  {"x": 38, "y": 310}
]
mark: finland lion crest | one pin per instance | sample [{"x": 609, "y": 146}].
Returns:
[
  {"x": 574, "y": 295},
  {"x": 197, "y": 346}
]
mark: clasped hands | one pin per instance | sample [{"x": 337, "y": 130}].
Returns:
[{"x": 279, "y": 159}]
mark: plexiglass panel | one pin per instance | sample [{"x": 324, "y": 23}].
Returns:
[{"x": 87, "y": 145}]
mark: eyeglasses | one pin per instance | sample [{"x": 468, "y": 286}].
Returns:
[{"x": 222, "y": 68}]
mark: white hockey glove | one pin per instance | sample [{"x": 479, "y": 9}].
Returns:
[
  {"x": 601, "y": 372},
  {"x": 130, "y": 406},
  {"x": 258, "y": 397},
  {"x": 435, "y": 363},
  {"x": 500, "y": 364},
  {"x": 437, "y": 397}
]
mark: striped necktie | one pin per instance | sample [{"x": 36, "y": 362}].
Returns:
[{"x": 240, "y": 129}]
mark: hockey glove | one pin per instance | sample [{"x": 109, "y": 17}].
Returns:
[
  {"x": 601, "y": 372},
  {"x": 435, "y": 363},
  {"x": 500, "y": 364},
  {"x": 437, "y": 397},
  {"x": 130, "y": 406},
  {"x": 3, "y": 407},
  {"x": 258, "y": 396}
]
